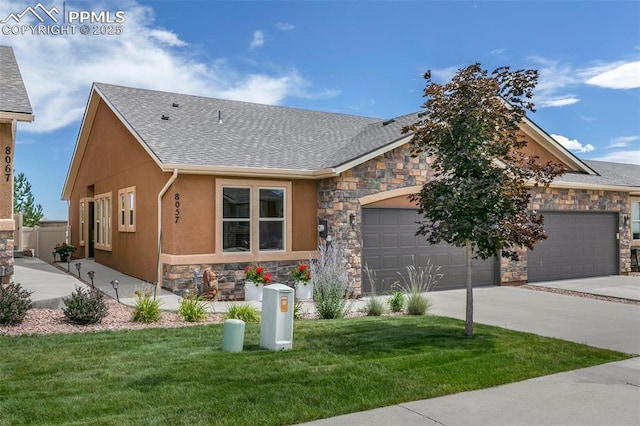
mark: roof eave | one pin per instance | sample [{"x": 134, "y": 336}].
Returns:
[
  {"x": 633, "y": 190},
  {"x": 8, "y": 116},
  {"x": 250, "y": 172},
  {"x": 555, "y": 147}
]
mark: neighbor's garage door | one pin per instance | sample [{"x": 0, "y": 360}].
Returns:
[
  {"x": 390, "y": 244},
  {"x": 579, "y": 245}
]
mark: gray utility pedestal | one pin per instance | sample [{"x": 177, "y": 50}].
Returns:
[{"x": 276, "y": 326}]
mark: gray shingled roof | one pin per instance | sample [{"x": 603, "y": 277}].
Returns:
[
  {"x": 265, "y": 136},
  {"x": 250, "y": 135},
  {"x": 617, "y": 174},
  {"x": 13, "y": 94}
]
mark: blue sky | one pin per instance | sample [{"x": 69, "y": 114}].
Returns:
[{"x": 357, "y": 57}]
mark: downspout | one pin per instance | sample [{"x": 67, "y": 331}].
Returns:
[{"x": 166, "y": 187}]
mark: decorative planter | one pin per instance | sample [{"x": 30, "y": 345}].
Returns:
[
  {"x": 253, "y": 291},
  {"x": 64, "y": 259},
  {"x": 304, "y": 290}
]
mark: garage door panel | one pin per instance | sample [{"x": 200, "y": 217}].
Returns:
[
  {"x": 579, "y": 245},
  {"x": 390, "y": 244}
]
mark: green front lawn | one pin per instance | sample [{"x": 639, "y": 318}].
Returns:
[{"x": 180, "y": 376}]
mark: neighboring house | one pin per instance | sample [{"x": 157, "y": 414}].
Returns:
[
  {"x": 14, "y": 107},
  {"x": 161, "y": 184}
]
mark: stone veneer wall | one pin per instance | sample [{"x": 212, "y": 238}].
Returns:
[
  {"x": 338, "y": 197},
  {"x": 6, "y": 255},
  {"x": 555, "y": 199},
  {"x": 230, "y": 276}
]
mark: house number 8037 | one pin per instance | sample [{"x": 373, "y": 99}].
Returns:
[{"x": 176, "y": 204}]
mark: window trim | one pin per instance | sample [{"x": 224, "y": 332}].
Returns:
[
  {"x": 254, "y": 253},
  {"x": 127, "y": 215},
  {"x": 103, "y": 206},
  {"x": 631, "y": 219}
]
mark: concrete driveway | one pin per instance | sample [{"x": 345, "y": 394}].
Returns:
[{"x": 598, "y": 323}]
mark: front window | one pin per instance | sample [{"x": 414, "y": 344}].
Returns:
[
  {"x": 271, "y": 219},
  {"x": 81, "y": 225},
  {"x": 236, "y": 219},
  {"x": 253, "y": 217},
  {"x": 635, "y": 220}
]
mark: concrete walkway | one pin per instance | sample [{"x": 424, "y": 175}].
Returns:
[{"x": 606, "y": 394}]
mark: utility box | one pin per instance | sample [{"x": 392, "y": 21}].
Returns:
[
  {"x": 276, "y": 326},
  {"x": 232, "y": 335}
]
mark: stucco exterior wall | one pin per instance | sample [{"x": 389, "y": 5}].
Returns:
[
  {"x": 114, "y": 160},
  {"x": 7, "y": 224}
]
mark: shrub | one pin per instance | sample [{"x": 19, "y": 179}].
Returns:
[
  {"x": 146, "y": 309},
  {"x": 85, "y": 307},
  {"x": 417, "y": 304},
  {"x": 192, "y": 308},
  {"x": 373, "y": 306},
  {"x": 420, "y": 280},
  {"x": 244, "y": 312},
  {"x": 396, "y": 302},
  {"x": 14, "y": 304},
  {"x": 331, "y": 281}
]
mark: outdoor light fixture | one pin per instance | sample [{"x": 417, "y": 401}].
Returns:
[
  {"x": 54, "y": 256},
  {"x": 68, "y": 263},
  {"x": 352, "y": 220},
  {"x": 78, "y": 266},
  {"x": 115, "y": 283},
  {"x": 91, "y": 274}
]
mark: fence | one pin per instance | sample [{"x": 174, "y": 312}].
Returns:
[{"x": 40, "y": 239}]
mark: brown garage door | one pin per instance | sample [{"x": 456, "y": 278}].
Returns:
[
  {"x": 390, "y": 244},
  {"x": 579, "y": 245}
]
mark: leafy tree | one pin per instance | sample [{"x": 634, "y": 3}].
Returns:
[
  {"x": 24, "y": 202},
  {"x": 470, "y": 130}
]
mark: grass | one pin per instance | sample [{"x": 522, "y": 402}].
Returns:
[{"x": 180, "y": 376}]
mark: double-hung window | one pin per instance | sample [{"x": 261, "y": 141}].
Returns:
[
  {"x": 102, "y": 225},
  {"x": 254, "y": 216},
  {"x": 127, "y": 210}
]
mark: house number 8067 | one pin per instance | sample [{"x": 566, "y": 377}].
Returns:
[
  {"x": 7, "y": 163},
  {"x": 176, "y": 203}
]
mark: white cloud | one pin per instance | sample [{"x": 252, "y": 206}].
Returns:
[
  {"x": 257, "y": 40},
  {"x": 617, "y": 76},
  {"x": 58, "y": 70},
  {"x": 496, "y": 52},
  {"x": 444, "y": 75},
  {"x": 627, "y": 157},
  {"x": 622, "y": 141},
  {"x": 285, "y": 26},
  {"x": 167, "y": 37},
  {"x": 558, "y": 102},
  {"x": 573, "y": 144}
]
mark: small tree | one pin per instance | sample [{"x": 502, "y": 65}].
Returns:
[
  {"x": 479, "y": 200},
  {"x": 24, "y": 202}
]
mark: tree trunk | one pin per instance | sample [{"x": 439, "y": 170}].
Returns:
[{"x": 468, "y": 324}]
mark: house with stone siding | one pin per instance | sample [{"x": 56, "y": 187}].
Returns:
[
  {"x": 14, "y": 107},
  {"x": 161, "y": 185}
]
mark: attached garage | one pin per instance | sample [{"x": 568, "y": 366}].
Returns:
[
  {"x": 579, "y": 245},
  {"x": 390, "y": 244}
]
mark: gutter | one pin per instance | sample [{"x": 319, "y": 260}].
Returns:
[{"x": 166, "y": 187}]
